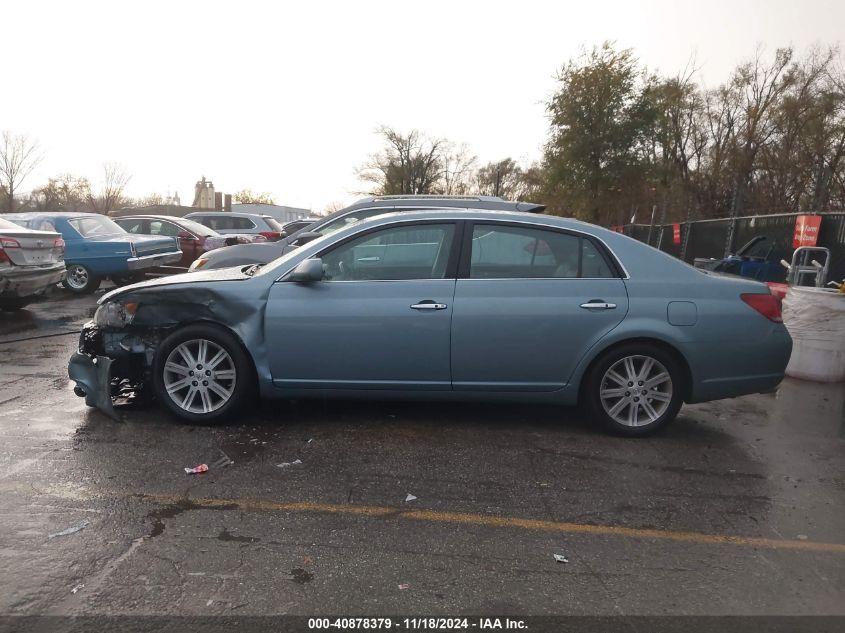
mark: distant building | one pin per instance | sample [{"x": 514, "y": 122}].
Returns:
[
  {"x": 280, "y": 212},
  {"x": 204, "y": 194}
]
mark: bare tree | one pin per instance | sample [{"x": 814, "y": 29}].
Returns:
[
  {"x": 409, "y": 164},
  {"x": 331, "y": 207},
  {"x": 459, "y": 165},
  {"x": 64, "y": 192},
  {"x": 19, "y": 155},
  {"x": 115, "y": 179}
]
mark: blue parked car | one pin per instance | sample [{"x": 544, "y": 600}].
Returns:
[
  {"x": 448, "y": 305},
  {"x": 96, "y": 248}
]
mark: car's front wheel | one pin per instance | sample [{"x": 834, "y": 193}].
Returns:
[
  {"x": 80, "y": 280},
  {"x": 202, "y": 374},
  {"x": 634, "y": 389}
]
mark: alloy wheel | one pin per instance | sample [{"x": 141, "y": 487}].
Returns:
[
  {"x": 199, "y": 376},
  {"x": 636, "y": 390}
]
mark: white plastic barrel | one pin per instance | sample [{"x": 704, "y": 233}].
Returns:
[{"x": 815, "y": 318}]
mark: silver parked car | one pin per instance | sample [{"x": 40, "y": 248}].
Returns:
[
  {"x": 360, "y": 210},
  {"x": 30, "y": 263},
  {"x": 227, "y": 222},
  {"x": 444, "y": 305}
]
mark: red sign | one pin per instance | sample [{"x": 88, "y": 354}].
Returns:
[
  {"x": 676, "y": 233},
  {"x": 806, "y": 230}
]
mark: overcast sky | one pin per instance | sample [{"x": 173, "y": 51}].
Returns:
[{"x": 284, "y": 97}]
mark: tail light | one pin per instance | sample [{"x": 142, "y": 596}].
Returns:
[
  {"x": 60, "y": 244},
  {"x": 7, "y": 242},
  {"x": 766, "y": 304},
  {"x": 271, "y": 235}
]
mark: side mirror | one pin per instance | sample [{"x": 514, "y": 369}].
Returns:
[
  {"x": 304, "y": 238},
  {"x": 307, "y": 271}
]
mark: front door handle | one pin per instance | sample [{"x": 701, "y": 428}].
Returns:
[
  {"x": 598, "y": 304},
  {"x": 428, "y": 305}
]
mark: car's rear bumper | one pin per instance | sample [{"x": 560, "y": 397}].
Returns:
[
  {"x": 151, "y": 261},
  {"x": 739, "y": 368},
  {"x": 26, "y": 281}
]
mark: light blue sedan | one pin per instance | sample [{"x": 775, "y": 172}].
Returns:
[{"x": 449, "y": 305}]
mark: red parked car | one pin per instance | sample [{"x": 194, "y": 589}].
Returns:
[{"x": 193, "y": 238}]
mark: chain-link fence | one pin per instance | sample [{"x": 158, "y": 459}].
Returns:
[{"x": 706, "y": 238}]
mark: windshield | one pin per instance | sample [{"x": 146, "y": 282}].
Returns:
[
  {"x": 93, "y": 226},
  {"x": 196, "y": 227}
]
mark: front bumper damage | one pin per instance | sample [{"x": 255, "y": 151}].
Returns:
[
  {"x": 93, "y": 378},
  {"x": 110, "y": 362}
]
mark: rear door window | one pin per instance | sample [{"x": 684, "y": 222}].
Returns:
[
  {"x": 511, "y": 252},
  {"x": 163, "y": 227},
  {"x": 242, "y": 224},
  {"x": 134, "y": 225}
]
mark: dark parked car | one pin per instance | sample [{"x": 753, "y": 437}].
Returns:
[
  {"x": 289, "y": 228},
  {"x": 96, "y": 247},
  {"x": 361, "y": 210},
  {"x": 194, "y": 239},
  {"x": 30, "y": 262},
  {"x": 758, "y": 259}
]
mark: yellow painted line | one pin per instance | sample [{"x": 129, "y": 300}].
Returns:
[{"x": 433, "y": 516}]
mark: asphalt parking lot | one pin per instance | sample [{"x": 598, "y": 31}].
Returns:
[{"x": 737, "y": 508}]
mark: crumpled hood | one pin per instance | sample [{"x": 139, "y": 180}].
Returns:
[{"x": 201, "y": 276}]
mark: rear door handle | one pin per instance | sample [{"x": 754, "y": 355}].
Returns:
[
  {"x": 598, "y": 304},
  {"x": 428, "y": 305}
]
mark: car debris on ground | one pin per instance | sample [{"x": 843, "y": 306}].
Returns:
[
  {"x": 410, "y": 497},
  {"x": 196, "y": 470},
  {"x": 288, "y": 464},
  {"x": 70, "y": 530},
  {"x": 561, "y": 558}
]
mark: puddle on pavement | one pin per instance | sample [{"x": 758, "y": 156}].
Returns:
[
  {"x": 300, "y": 576},
  {"x": 226, "y": 535},
  {"x": 168, "y": 512}
]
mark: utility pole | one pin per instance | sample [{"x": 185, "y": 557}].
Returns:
[
  {"x": 498, "y": 179},
  {"x": 651, "y": 224}
]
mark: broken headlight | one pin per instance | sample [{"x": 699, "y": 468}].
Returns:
[{"x": 115, "y": 314}]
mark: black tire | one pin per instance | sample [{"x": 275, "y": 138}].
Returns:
[
  {"x": 80, "y": 280},
  {"x": 242, "y": 389},
  {"x": 656, "y": 411}
]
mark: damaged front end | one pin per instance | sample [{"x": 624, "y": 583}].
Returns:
[
  {"x": 113, "y": 363},
  {"x": 117, "y": 349}
]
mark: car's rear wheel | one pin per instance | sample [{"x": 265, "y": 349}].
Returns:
[
  {"x": 80, "y": 280},
  {"x": 202, "y": 374},
  {"x": 635, "y": 389}
]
